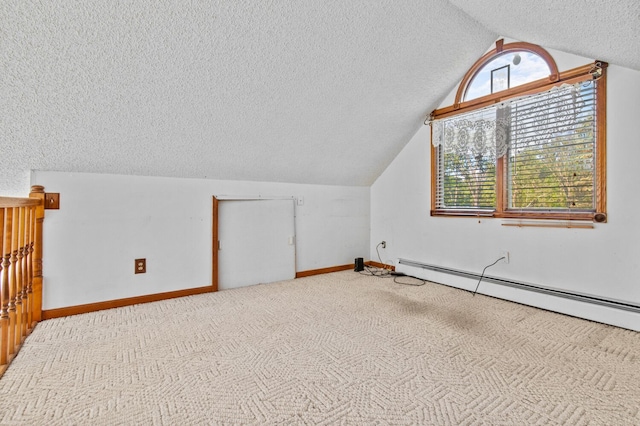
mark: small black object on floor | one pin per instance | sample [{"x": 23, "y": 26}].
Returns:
[{"x": 358, "y": 264}]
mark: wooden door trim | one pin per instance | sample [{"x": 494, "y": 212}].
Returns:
[{"x": 215, "y": 245}]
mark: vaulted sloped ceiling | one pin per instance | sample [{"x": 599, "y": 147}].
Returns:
[
  {"x": 605, "y": 30},
  {"x": 324, "y": 92}
]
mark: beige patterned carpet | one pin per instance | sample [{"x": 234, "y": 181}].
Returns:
[{"x": 339, "y": 348}]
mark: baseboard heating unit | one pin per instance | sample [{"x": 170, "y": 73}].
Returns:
[{"x": 596, "y": 300}]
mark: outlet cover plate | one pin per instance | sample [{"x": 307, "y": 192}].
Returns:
[{"x": 141, "y": 266}]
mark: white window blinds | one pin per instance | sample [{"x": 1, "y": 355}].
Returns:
[
  {"x": 552, "y": 154},
  {"x": 547, "y": 141}
]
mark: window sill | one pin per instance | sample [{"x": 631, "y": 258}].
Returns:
[{"x": 528, "y": 215}]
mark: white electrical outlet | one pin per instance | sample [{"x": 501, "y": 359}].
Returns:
[{"x": 505, "y": 254}]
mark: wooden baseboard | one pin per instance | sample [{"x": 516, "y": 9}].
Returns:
[
  {"x": 311, "y": 272},
  {"x": 118, "y": 303},
  {"x": 380, "y": 265}
]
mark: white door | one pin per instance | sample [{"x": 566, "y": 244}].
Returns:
[{"x": 257, "y": 242}]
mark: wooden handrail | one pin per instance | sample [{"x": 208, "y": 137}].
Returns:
[
  {"x": 20, "y": 270},
  {"x": 7, "y": 202}
]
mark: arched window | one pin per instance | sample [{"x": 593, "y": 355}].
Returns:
[
  {"x": 506, "y": 71},
  {"x": 522, "y": 140}
]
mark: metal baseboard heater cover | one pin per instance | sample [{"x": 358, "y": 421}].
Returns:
[{"x": 611, "y": 303}]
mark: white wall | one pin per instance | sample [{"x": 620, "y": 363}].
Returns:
[
  {"x": 604, "y": 261},
  {"x": 107, "y": 221}
]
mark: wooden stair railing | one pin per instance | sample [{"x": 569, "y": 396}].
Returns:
[{"x": 20, "y": 271}]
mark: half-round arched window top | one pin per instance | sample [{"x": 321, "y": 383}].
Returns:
[
  {"x": 505, "y": 71},
  {"x": 505, "y": 67}
]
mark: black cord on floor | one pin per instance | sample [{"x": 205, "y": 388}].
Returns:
[
  {"x": 386, "y": 273},
  {"x": 482, "y": 275},
  {"x": 422, "y": 282},
  {"x": 371, "y": 271}
]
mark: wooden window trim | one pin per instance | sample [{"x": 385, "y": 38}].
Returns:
[
  {"x": 556, "y": 78},
  {"x": 601, "y": 146},
  {"x": 502, "y": 49},
  {"x": 571, "y": 76}
]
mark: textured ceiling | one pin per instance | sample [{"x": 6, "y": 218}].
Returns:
[
  {"x": 324, "y": 92},
  {"x": 605, "y": 30}
]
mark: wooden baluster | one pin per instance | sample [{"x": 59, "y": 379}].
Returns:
[
  {"x": 13, "y": 278},
  {"x": 25, "y": 273},
  {"x": 33, "y": 271},
  {"x": 10, "y": 265},
  {"x": 4, "y": 287},
  {"x": 20, "y": 271},
  {"x": 32, "y": 221},
  {"x": 19, "y": 278},
  {"x": 37, "y": 191}
]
